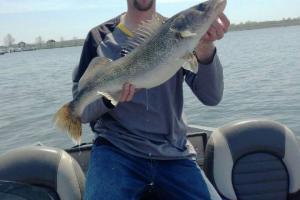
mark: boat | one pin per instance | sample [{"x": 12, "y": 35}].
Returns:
[
  {"x": 257, "y": 159},
  {"x": 2, "y": 52}
]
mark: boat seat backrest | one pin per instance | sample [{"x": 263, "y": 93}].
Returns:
[
  {"x": 254, "y": 159},
  {"x": 44, "y": 166}
]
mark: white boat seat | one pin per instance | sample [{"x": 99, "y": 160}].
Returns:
[
  {"x": 254, "y": 159},
  {"x": 44, "y": 166}
]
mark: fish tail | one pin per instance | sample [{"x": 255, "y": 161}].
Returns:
[{"x": 65, "y": 120}]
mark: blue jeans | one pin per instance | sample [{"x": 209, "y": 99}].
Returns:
[{"x": 116, "y": 175}]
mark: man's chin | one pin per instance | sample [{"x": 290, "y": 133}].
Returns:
[{"x": 141, "y": 7}]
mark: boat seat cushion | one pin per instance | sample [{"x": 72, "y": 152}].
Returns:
[
  {"x": 254, "y": 159},
  {"x": 44, "y": 166}
]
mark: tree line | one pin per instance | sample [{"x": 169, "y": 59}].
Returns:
[
  {"x": 266, "y": 24},
  {"x": 39, "y": 43}
]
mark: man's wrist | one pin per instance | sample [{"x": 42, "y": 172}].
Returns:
[{"x": 205, "y": 52}]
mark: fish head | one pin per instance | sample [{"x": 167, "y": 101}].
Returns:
[{"x": 197, "y": 19}]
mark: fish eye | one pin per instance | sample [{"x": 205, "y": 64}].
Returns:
[
  {"x": 179, "y": 23},
  {"x": 202, "y": 6}
]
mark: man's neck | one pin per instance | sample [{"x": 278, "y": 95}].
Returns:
[{"x": 133, "y": 18}]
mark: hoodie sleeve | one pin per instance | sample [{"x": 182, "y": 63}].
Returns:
[
  {"x": 94, "y": 110},
  {"x": 207, "y": 84}
]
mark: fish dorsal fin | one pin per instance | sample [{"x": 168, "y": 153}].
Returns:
[
  {"x": 91, "y": 69},
  {"x": 144, "y": 32}
]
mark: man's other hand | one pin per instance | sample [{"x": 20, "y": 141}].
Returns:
[{"x": 127, "y": 92}]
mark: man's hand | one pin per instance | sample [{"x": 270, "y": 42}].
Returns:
[
  {"x": 205, "y": 48},
  {"x": 217, "y": 29},
  {"x": 127, "y": 92}
]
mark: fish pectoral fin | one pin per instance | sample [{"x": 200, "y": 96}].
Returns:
[
  {"x": 186, "y": 34},
  {"x": 101, "y": 60},
  {"x": 97, "y": 62},
  {"x": 191, "y": 63},
  {"x": 111, "y": 97}
]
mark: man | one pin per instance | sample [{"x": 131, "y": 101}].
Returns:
[{"x": 142, "y": 141}]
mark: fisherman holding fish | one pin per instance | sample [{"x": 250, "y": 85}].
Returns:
[{"x": 140, "y": 134}]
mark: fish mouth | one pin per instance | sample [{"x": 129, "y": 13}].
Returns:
[{"x": 216, "y": 5}]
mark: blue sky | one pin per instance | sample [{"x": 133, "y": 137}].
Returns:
[{"x": 53, "y": 19}]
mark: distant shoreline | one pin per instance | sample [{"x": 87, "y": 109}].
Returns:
[
  {"x": 267, "y": 24},
  {"x": 51, "y": 44}
]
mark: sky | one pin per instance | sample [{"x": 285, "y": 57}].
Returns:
[{"x": 25, "y": 20}]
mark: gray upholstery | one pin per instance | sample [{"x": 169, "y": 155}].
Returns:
[
  {"x": 260, "y": 176},
  {"x": 44, "y": 166},
  {"x": 254, "y": 159},
  {"x": 249, "y": 136}
]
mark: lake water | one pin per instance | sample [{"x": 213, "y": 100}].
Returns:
[{"x": 262, "y": 80}]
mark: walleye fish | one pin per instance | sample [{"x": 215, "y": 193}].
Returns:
[{"x": 157, "y": 51}]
